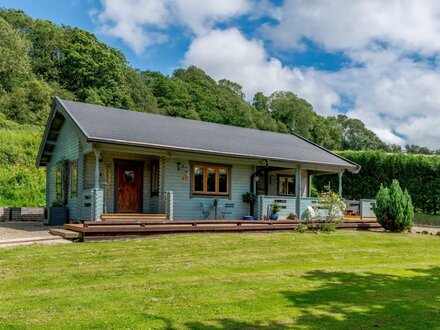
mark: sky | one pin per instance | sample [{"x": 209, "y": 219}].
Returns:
[{"x": 374, "y": 60}]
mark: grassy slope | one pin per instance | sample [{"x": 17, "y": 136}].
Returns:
[
  {"x": 346, "y": 280},
  {"x": 427, "y": 219},
  {"x": 21, "y": 183}
]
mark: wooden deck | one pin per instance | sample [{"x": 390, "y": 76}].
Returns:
[{"x": 111, "y": 229}]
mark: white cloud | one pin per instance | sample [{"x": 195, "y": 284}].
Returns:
[
  {"x": 141, "y": 23},
  {"x": 412, "y": 25},
  {"x": 228, "y": 54},
  {"x": 389, "y": 79},
  {"x": 392, "y": 83}
]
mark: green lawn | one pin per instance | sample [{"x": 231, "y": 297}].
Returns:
[
  {"x": 344, "y": 280},
  {"x": 427, "y": 219}
]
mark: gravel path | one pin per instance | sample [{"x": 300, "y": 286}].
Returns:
[
  {"x": 17, "y": 233},
  {"x": 23, "y": 229},
  {"x": 426, "y": 229}
]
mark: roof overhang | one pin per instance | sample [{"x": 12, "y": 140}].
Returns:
[
  {"x": 60, "y": 112},
  {"x": 58, "y": 115}
]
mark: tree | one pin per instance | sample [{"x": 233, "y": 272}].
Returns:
[
  {"x": 15, "y": 66},
  {"x": 29, "y": 103},
  {"x": 236, "y": 88},
  {"x": 292, "y": 111},
  {"x": 394, "y": 209},
  {"x": 93, "y": 70},
  {"x": 415, "y": 149},
  {"x": 355, "y": 136},
  {"x": 261, "y": 102},
  {"x": 327, "y": 132},
  {"x": 394, "y": 148}
]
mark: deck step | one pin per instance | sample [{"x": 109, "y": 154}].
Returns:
[
  {"x": 64, "y": 233},
  {"x": 133, "y": 216}
]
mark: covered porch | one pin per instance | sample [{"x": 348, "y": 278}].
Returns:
[
  {"x": 291, "y": 188},
  {"x": 120, "y": 183}
]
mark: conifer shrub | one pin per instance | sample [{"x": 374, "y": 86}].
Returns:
[{"x": 393, "y": 208}]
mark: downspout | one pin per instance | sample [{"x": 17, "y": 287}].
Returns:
[
  {"x": 252, "y": 186},
  {"x": 266, "y": 178}
]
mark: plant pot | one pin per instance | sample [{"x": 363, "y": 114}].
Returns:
[
  {"x": 215, "y": 203},
  {"x": 273, "y": 216},
  {"x": 248, "y": 217},
  {"x": 57, "y": 216}
]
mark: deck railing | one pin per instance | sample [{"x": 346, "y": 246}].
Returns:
[{"x": 288, "y": 206}]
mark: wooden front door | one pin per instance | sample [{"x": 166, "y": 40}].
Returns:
[{"x": 128, "y": 186}]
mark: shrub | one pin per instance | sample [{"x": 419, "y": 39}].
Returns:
[
  {"x": 393, "y": 208},
  {"x": 302, "y": 228},
  {"x": 332, "y": 204},
  {"x": 328, "y": 227}
]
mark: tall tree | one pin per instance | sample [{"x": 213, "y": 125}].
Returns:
[
  {"x": 294, "y": 112},
  {"x": 327, "y": 132},
  {"x": 15, "y": 67},
  {"x": 261, "y": 102},
  {"x": 355, "y": 136},
  {"x": 415, "y": 149}
]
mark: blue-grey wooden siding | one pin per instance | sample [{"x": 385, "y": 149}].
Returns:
[
  {"x": 187, "y": 208},
  {"x": 66, "y": 147}
]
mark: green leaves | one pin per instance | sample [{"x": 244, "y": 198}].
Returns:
[
  {"x": 394, "y": 209},
  {"x": 419, "y": 174},
  {"x": 14, "y": 61}
]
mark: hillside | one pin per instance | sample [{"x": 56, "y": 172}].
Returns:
[{"x": 39, "y": 60}]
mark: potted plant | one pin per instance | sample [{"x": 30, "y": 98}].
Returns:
[
  {"x": 249, "y": 198},
  {"x": 274, "y": 209},
  {"x": 57, "y": 213},
  {"x": 215, "y": 200}
]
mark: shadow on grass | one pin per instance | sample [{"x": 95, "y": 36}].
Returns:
[
  {"x": 353, "y": 301},
  {"x": 218, "y": 324},
  {"x": 223, "y": 324},
  {"x": 345, "y": 300}
]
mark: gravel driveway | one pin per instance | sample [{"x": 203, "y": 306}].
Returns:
[
  {"x": 23, "y": 229},
  {"x": 426, "y": 229},
  {"x": 17, "y": 233}
]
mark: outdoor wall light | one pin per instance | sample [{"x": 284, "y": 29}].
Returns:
[{"x": 180, "y": 166}]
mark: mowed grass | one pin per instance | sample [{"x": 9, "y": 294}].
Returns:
[{"x": 344, "y": 280}]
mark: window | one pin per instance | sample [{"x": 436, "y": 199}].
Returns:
[
  {"x": 210, "y": 180},
  {"x": 59, "y": 182},
  {"x": 74, "y": 179},
  {"x": 155, "y": 178},
  {"x": 286, "y": 185}
]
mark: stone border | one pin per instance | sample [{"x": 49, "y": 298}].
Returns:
[{"x": 22, "y": 214}]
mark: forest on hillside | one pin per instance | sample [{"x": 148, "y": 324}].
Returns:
[{"x": 39, "y": 60}]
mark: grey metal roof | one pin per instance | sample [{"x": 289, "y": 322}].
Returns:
[{"x": 104, "y": 124}]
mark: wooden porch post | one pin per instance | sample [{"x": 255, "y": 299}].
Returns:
[
  {"x": 266, "y": 178},
  {"x": 340, "y": 184},
  {"x": 298, "y": 191},
  {"x": 97, "y": 192},
  {"x": 97, "y": 156}
]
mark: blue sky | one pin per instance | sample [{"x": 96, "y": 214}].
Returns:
[{"x": 373, "y": 60}]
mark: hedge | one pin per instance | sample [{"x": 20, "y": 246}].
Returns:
[{"x": 419, "y": 174}]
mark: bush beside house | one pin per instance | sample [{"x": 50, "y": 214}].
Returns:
[{"x": 394, "y": 209}]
